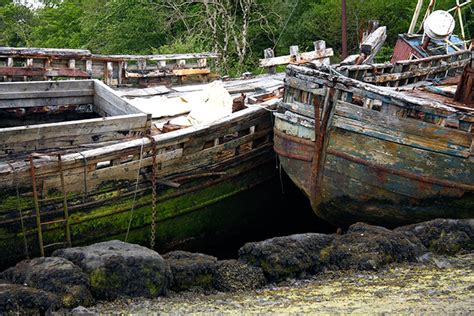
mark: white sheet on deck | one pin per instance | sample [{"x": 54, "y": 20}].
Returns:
[
  {"x": 208, "y": 105},
  {"x": 160, "y": 106},
  {"x": 203, "y": 106}
]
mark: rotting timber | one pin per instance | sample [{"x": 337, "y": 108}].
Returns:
[
  {"x": 81, "y": 181},
  {"x": 375, "y": 143}
]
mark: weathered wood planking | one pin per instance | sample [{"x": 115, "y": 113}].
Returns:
[
  {"x": 241, "y": 120},
  {"x": 407, "y": 71},
  {"x": 120, "y": 120},
  {"x": 46, "y": 64},
  {"x": 56, "y": 135},
  {"x": 300, "y": 58},
  {"x": 210, "y": 162},
  {"x": 387, "y": 157}
]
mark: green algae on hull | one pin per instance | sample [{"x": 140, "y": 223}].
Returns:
[{"x": 111, "y": 220}]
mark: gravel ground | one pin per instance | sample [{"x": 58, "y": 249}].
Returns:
[{"x": 446, "y": 285}]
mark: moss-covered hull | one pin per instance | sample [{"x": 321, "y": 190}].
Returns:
[{"x": 182, "y": 214}]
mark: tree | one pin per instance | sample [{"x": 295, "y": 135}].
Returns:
[{"x": 16, "y": 23}]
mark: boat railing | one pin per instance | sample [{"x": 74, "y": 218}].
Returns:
[
  {"x": 25, "y": 64},
  {"x": 405, "y": 72},
  {"x": 351, "y": 97}
]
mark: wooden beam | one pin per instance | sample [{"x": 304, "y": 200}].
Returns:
[
  {"x": 39, "y": 72},
  {"x": 303, "y": 57},
  {"x": 43, "y": 52}
]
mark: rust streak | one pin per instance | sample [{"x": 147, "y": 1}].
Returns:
[
  {"x": 402, "y": 173},
  {"x": 286, "y": 154},
  {"x": 293, "y": 139},
  {"x": 318, "y": 145}
]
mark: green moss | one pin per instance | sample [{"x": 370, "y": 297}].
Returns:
[
  {"x": 325, "y": 253},
  {"x": 101, "y": 281},
  {"x": 152, "y": 288},
  {"x": 177, "y": 216}
]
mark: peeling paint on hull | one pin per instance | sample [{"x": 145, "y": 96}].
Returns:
[{"x": 376, "y": 164}]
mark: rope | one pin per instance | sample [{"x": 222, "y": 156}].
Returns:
[
  {"x": 286, "y": 23},
  {"x": 20, "y": 211},
  {"x": 135, "y": 194},
  {"x": 153, "y": 195}
]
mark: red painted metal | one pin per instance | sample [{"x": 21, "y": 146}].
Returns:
[{"x": 402, "y": 51}]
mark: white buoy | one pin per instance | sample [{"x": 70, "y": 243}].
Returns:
[{"x": 439, "y": 25}]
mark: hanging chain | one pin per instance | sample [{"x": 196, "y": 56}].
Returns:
[{"x": 153, "y": 195}]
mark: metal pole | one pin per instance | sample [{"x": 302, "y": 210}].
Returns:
[
  {"x": 344, "y": 29},
  {"x": 414, "y": 19}
]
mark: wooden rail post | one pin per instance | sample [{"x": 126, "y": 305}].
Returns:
[
  {"x": 269, "y": 53},
  {"x": 294, "y": 55}
]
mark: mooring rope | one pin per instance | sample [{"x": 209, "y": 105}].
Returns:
[
  {"x": 23, "y": 230},
  {"x": 136, "y": 190}
]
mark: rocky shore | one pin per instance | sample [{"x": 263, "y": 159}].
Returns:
[{"x": 417, "y": 268}]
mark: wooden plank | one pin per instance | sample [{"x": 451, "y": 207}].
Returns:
[
  {"x": 371, "y": 91},
  {"x": 72, "y": 128},
  {"x": 43, "y": 52},
  {"x": 399, "y": 137},
  {"x": 156, "y": 57},
  {"x": 46, "y": 85},
  {"x": 45, "y": 94},
  {"x": 304, "y": 57},
  {"x": 305, "y": 86},
  {"x": 24, "y": 103},
  {"x": 432, "y": 132},
  {"x": 373, "y": 43},
  {"x": 414, "y": 73},
  {"x": 418, "y": 161},
  {"x": 107, "y": 100},
  {"x": 189, "y": 72},
  {"x": 38, "y": 72}
]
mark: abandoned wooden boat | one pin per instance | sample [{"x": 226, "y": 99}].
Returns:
[
  {"x": 375, "y": 143},
  {"x": 88, "y": 165}
]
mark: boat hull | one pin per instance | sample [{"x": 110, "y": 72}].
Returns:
[
  {"x": 184, "y": 213},
  {"x": 373, "y": 164}
]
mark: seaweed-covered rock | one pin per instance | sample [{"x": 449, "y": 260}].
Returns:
[
  {"x": 15, "y": 298},
  {"x": 116, "y": 269},
  {"x": 289, "y": 256},
  {"x": 191, "y": 270},
  {"x": 233, "y": 275},
  {"x": 368, "y": 247},
  {"x": 443, "y": 236},
  {"x": 53, "y": 274}
]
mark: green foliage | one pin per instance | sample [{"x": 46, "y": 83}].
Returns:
[
  {"x": 238, "y": 30},
  {"x": 16, "y": 23}
]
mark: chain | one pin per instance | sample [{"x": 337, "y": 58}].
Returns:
[{"x": 153, "y": 195}]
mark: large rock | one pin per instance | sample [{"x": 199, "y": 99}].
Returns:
[
  {"x": 191, "y": 270},
  {"x": 116, "y": 269},
  {"x": 443, "y": 236},
  {"x": 53, "y": 274},
  {"x": 289, "y": 256},
  {"x": 15, "y": 298},
  {"x": 233, "y": 275},
  {"x": 368, "y": 247}
]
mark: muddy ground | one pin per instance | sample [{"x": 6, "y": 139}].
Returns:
[{"x": 443, "y": 285}]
